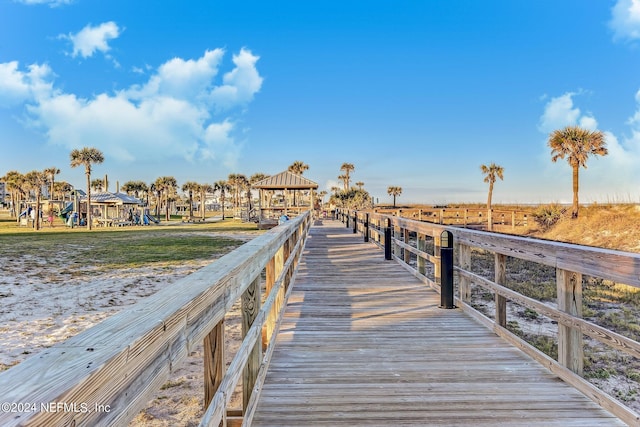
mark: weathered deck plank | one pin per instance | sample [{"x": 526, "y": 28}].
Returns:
[{"x": 364, "y": 343}]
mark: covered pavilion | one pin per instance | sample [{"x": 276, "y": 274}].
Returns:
[{"x": 284, "y": 193}]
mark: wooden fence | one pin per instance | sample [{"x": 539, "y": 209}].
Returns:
[
  {"x": 466, "y": 217},
  {"x": 417, "y": 246},
  {"x": 108, "y": 373}
]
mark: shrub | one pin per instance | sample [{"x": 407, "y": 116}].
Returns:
[{"x": 547, "y": 215}]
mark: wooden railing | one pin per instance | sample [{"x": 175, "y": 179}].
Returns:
[
  {"x": 466, "y": 217},
  {"x": 108, "y": 373},
  {"x": 417, "y": 246}
]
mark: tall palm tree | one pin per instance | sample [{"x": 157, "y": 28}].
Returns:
[
  {"x": 347, "y": 168},
  {"x": 166, "y": 185},
  {"x": 14, "y": 181},
  {"x": 223, "y": 187},
  {"x": 204, "y": 189},
  {"x": 576, "y": 144},
  {"x": 237, "y": 182},
  {"x": 35, "y": 181},
  {"x": 298, "y": 167},
  {"x": 258, "y": 176},
  {"x": 491, "y": 172},
  {"x": 191, "y": 187},
  {"x": 51, "y": 173},
  {"x": 86, "y": 157},
  {"x": 345, "y": 181},
  {"x": 394, "y": 191}
]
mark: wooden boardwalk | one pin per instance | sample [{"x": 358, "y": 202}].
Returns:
[{"x": 364, "y": 343}]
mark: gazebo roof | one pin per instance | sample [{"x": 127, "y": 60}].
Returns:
[
  {"x": 113, "y": 198},
  {"x": 285, "y": 180}
]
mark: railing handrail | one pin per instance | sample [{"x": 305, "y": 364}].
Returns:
[
  {"x": 571, "y": 262},
  {"x": 108, "y": 373},
  {"x": 608, "y": 264}
]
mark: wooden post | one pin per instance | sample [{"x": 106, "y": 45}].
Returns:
[
  {"x": 490, "y": 219},
  {"x": 513, "y": 220},
  {"x": 250, "y": 309},
  {"x": 214, "y": 365},
  {"x": 420, "y": 263},
  {"x": 269, "y": 324},
  {"x": 501, "y": 279},
  {"x": 407, "y": 253},
  {"x": 465, "y": 264},
  {"x": 570, "y": 345},
  {"x": 466, "y": 217}
]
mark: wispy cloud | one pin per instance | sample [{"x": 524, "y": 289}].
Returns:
[
  {"x": 90, "y": 39},
  {"x": 51, "y": 3},
  {"x": 625, "y": 20},
  {"x": 174, "y": 114}
]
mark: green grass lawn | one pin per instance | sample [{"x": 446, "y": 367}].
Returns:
[{"x": 120, "y": 246}]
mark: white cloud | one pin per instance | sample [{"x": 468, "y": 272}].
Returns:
[
  {"x": 181, "y": 79},
  {"x": 172, "y": 115},
  {"x": 240, "y": 84},
  {"x": 91, "y": 39},
  {"x": 560, "y": 112},
  {"x": 17, "y": 87},
  {"x": 625, "y": 20},
  {"x": 51, "y": 3}
]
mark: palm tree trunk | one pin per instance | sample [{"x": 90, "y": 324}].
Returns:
[
  {"x": 574, "y": 211},
  {"x": 394, "y": 200},
  {"x": 490, "y": 195}
]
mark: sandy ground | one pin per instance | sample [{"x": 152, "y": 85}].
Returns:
[{"x": 43, "y": 303}]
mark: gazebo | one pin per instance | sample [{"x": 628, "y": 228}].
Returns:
[
  {"x": 283, "y": 193},
  {"x": 113, "y": 208}
]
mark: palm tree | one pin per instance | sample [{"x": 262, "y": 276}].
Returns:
[
  {"x": 222, "y": 186},
  {"x": 14, "y": 181},
  {"x": 347, "y": 168},
  {"x": 576, "y": 144},
  {"x": 298, "y": 167},
  {"x": 394, "y": 191},
  {"x": 166, "y": 185},
  {"x": 97, "y": 184},
  {"x": 86, "y": 157},
  {"x": 191, "y": 187},
  {"x": 135, "y": 188},
  {"x": 492, "y": 173},
  {"x": 36, "y": 180},
  {"x": 51, "y": 173},
  {"x": 345, "y": 182},
  {"x": 204, "y": 189},
  {"x": 359, "y": 184},
  {"x": 62, "y": 188}
]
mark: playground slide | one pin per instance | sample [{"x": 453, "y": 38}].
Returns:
[
  {"x": 150, "y": 218},
  {"x": 66, "y": 211}
]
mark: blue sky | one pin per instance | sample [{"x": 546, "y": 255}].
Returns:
[{"x": 416, "y": 94}]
